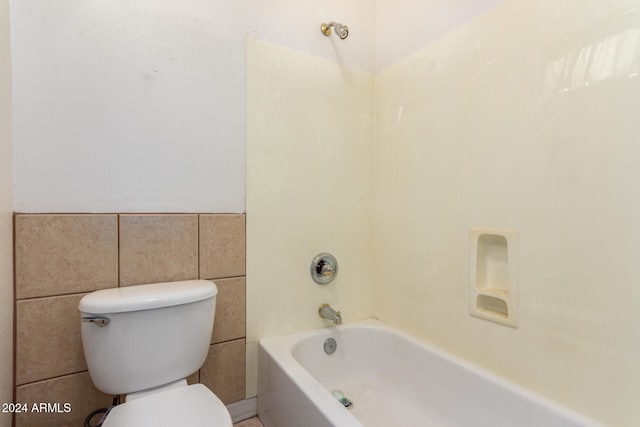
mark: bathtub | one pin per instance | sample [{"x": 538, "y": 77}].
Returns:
[{"x": 392, "y": 380}]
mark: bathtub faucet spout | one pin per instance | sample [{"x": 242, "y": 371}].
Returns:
[{"x": 326, "y": 312}]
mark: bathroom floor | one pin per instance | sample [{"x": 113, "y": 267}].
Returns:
[{"x": 251, "y": 422}]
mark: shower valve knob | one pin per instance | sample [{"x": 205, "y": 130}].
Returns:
[{"x": 324, "y": 268}]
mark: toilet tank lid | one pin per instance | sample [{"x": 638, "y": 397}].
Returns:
[{"x": 147, "y": 297}]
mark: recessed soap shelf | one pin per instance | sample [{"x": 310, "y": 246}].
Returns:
[
  {"x": 492, "y": 306},
  {"x": 493, "y": 283}
]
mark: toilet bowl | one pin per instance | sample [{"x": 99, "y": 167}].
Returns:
[
  {"x": 192, "y": 406},
  {"x": 143, "y": 341}
]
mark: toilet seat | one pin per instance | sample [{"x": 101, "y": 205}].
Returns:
[{"x": 188, "y": 406}]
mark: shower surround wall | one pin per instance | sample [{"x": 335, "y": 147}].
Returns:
[
  {"x": 527, "y": 118},
  {"x": 309, "y": 173},
  {"x": 60, "y": 258}
]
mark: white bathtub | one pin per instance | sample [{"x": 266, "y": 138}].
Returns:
[{"x": 392, "y": 380}]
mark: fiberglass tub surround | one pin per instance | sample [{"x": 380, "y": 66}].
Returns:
[
  {"x": 525, "y": 118},
  {"x": 392, "y": 380}
]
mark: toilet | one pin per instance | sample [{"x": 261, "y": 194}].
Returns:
[{"x": 144, "y": 341}]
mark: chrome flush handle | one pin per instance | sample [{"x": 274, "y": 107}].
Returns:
[{"x": 98, "y": 320}]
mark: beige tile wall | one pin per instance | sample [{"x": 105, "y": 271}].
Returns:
[
  {"x": 158, "y": 248},
  {"x": 61, "y": 257},
  {"x": 222, "y": 250},
  {"x": 65, "y": 254}
]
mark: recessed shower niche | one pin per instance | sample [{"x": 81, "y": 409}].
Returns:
[{"x": 494, "y": 275}]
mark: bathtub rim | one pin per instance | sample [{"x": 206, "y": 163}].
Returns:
[{"x": 280, "y": 349}]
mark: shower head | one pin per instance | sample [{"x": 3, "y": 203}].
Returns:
[{"x": 342, "y": 31}]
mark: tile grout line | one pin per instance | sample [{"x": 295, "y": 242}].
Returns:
[{"x": 52, "y": 378}]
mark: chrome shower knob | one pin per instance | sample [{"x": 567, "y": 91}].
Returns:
[{"x": 324, "y": 268}]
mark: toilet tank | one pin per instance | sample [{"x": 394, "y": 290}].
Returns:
[{"x": 140, "y": 337}]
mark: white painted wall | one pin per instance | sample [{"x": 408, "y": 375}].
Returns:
[
  {"x": 6, "y": 218},
  {"x": 140, "y": 105},
  {"x": 526, "y": 118},
  {"x": 310, "y": 159}
]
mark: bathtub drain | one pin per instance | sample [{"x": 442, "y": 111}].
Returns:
[{"x": 330, "y": 346}]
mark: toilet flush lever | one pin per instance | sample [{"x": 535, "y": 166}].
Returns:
[{"x": 98, "y": 320}]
